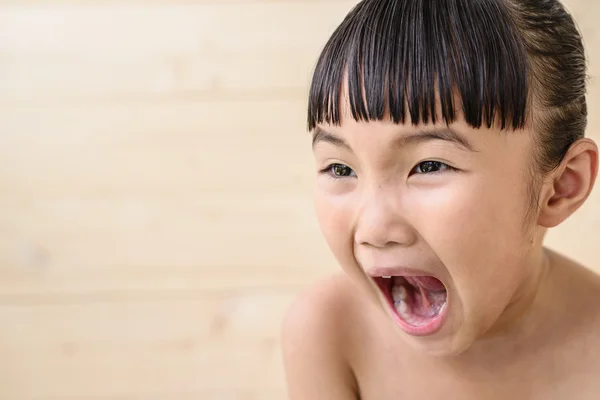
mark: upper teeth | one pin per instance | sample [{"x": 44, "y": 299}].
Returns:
[{"x": 386, "y": 277}]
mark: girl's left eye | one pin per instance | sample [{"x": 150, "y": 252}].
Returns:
[
  {"x": 431, "y": 167},
  {"x": 338, "y": 171}
]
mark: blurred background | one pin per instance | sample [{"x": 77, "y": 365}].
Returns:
[{"x": 155, "y": 193}]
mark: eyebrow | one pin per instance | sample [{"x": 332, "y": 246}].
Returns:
[{"x": 445, "y": 134}]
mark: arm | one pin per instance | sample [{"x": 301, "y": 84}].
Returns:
[{"x": 313, "y": 343}]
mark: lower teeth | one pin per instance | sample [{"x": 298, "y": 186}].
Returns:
[
  {"x": 402, "y": 309},
  {"x": 400, "y": 295}
]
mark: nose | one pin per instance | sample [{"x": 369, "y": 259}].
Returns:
[{"x": 381, "y": 221}]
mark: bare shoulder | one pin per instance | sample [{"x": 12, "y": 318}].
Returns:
[
  {"x": 327, "y": 301},
  {"x": 580, "y": 286},
  {"x": 585, "y": 280},
  {"x": 315, "y": 340},
  {"x": 580, "y": 347}
]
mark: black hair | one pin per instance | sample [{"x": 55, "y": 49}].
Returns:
[{"x": 508, "y": 62}]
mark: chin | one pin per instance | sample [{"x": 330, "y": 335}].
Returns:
[{"x": 453, "y": 339}]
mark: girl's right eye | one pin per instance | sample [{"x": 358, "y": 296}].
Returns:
[{"x": 338, "y": 171}]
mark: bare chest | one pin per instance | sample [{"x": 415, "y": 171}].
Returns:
[
  {"x": 566, "y": 372},
  {"x": 388, "y": 382}
]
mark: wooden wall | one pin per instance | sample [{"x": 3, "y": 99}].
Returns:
[{"x": 155, "y": 193}]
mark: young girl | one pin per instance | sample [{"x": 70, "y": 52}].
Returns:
[{"x": 448, "y": 137}]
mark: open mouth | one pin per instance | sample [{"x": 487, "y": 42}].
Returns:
[{"x": 418, "y": 302}]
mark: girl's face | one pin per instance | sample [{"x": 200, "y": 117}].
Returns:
[{"x": 449, "y": 202}]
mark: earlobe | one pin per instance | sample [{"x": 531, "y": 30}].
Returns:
[{"x": 570, "y": 184}]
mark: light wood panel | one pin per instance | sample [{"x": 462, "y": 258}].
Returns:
[
  {"x": 137, "y": 51},
  {"x": 150, "y": 347},
  {"x": 147, "y": 189},
  {"x": 151, "y": 156},
  {"x": 155, "y": 205}
]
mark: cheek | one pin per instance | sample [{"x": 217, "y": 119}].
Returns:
[
  {"x": 476, "y": 230},
  {"x": 334, "y": 213}
]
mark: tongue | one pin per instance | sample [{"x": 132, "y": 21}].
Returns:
[
  {"x": 428, "y": 283},
  {"x": 428, "y": 296}
]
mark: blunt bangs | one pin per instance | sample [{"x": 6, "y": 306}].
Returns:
[{"x": 401, "y": 59}]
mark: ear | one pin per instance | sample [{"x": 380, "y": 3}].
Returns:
[{"x": 570, "y": 184}]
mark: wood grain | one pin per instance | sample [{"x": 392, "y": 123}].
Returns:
[
  {"x": 155, "y": 193},
  {"x": 151, "y": 347}
]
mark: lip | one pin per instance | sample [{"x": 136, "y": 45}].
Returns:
[
  {"x": 431, "y": 327},
  {"x": 378, "y": 272}
]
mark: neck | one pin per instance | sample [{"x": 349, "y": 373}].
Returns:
[
  {"x": 518, "y": 328},
  {"x": 522, "y": 311}
]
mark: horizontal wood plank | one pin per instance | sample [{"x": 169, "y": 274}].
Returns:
[
  {"x": 43, "y": 80},
  {"x": 159, "y": 30},
  {"x": 179, "y": 190},
  {"x": 180, "y": 146},
  {"x": 51, "y": 54},
  {"x": 152, "y": 348},
  {"x": 95, "y": 3}
]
